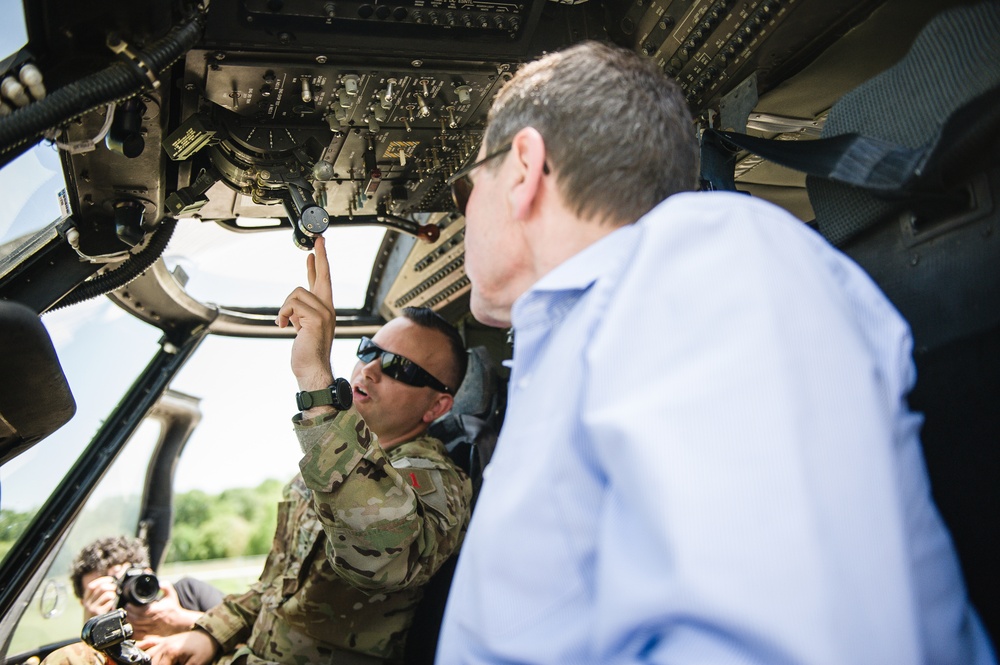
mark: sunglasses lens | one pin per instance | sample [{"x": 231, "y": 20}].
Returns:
[
  {"x": 461, "y": 189},
  {"x": 367, "y": 351},
  {"x": 401, "y": 369}
]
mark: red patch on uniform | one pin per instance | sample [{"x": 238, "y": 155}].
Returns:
[{"x": 413, "y": 480}]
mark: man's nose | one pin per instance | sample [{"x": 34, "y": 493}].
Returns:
[{"x": 372, "y": 370}]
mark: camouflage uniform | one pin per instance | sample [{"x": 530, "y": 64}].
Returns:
[
  {"x": 360, "y": 531},
  {"x": 77, "y": 653}
]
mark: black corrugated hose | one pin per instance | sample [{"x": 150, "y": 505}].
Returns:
[
  {"x": 126, "y": 272},
  {"x": 24, "y": 128}
]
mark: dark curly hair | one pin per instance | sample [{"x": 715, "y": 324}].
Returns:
[{"x": 104, "y": 553}]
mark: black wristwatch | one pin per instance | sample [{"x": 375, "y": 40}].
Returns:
[{"x": 340, "y": 396}]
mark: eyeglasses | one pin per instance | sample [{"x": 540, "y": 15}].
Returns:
[
  {"x": 399, "y": 368},
  {"x": 461, "y": 184}
]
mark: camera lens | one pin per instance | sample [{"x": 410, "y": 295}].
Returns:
[
  {"x": 144, "y": 588},
  {"x": 138, "y": 588}
]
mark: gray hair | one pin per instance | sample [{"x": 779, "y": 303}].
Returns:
[{"x": 617, "y": 130}]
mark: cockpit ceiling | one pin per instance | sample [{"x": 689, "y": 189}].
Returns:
[{"x": 344, "y": 112}]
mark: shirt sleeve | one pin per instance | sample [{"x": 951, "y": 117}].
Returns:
[
  {"x": 194, "y": 594},
  {"x": 231, "y": 621},
  {"x": 385, "y": 531}
]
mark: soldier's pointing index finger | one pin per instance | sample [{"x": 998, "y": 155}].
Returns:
[{"x": 319, "y": 283}]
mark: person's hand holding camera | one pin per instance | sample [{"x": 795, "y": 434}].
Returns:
[
  {"x": 163, "y": 616},
  {"x": 99, "y": 596}
]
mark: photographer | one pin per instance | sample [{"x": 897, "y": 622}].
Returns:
[{"x": 105, "y": 565}]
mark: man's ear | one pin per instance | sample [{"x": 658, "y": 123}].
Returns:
[
  {"x": 528, "y": 150},
  {"x": 440, "y": 406}
]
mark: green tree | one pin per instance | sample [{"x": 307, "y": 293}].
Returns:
[
  {"x": 12, "y": 524},
  {"x": 193, "y": 508},
  {"x": 263, "y": 530},
  {"x": 226, "y": 536},
  {"x": 236, "y": 522},
  {"x": 185, "y": 545}
]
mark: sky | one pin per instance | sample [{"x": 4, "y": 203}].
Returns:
[{"x": 245, "y": 387}]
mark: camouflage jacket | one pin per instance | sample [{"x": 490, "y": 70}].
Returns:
[
  {"x": 77, "y": 653},
  {"x": 360, "y": 531}
]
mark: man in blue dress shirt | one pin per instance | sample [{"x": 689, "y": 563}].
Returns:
[{"x": 707, "y": 455}]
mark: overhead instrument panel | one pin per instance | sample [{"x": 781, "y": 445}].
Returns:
[
  {"x": 411, "y": 16},
  {"x": 357, "y": 138},
  {"x": 430, "y": 27},
  {"x": 710, "y": 46},
  {"x": 317, "y": 113}
]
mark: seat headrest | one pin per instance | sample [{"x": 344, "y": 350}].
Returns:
[
  {"x": 477, "y": 395},
  {"x": 469, "y": 430}
]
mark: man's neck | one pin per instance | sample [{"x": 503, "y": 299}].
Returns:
[
  {"x": 390, "y": 442},
  {"x": 562, "y": 235}
]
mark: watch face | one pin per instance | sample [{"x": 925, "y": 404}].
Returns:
[{"x": 343, "y": 394}]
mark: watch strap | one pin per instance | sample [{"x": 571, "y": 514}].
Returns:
[{"x": 338, "y": 395}]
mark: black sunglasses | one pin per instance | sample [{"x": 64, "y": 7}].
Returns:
[
  {"x": 461, "y": 184},
  {"x": 397, "y": 367}
]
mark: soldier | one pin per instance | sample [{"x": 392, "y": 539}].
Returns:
[
  {"x": 94, "y": 574},
  {"x": 377, "y": 508}
]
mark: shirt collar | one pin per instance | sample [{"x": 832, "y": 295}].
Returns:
[
  {"x": 585, "y": 267},
  {"x": 556, "y": 292}
]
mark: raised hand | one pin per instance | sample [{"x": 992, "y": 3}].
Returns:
[{"x": 314, "y": 318}]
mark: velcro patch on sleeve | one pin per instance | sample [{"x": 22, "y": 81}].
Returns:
[{"x": 419, "y": 479}]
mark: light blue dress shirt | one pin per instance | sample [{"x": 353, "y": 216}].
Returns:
[{"x": 707, "y": 457}]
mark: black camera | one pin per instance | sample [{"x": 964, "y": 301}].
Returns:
[
  {"x": 110, "y": 633},
  {"x": 138, "y": 587}
]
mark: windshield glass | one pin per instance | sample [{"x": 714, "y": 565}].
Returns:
[
  {"x": 102, "y": 351},
  {"x": 245, "y": 434},
  {"x": 29, "y": 185},
  {"x": 29, "y": 194},
  {"x": 260, "y": 269},
  {"x": 54, "y": 613}
]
